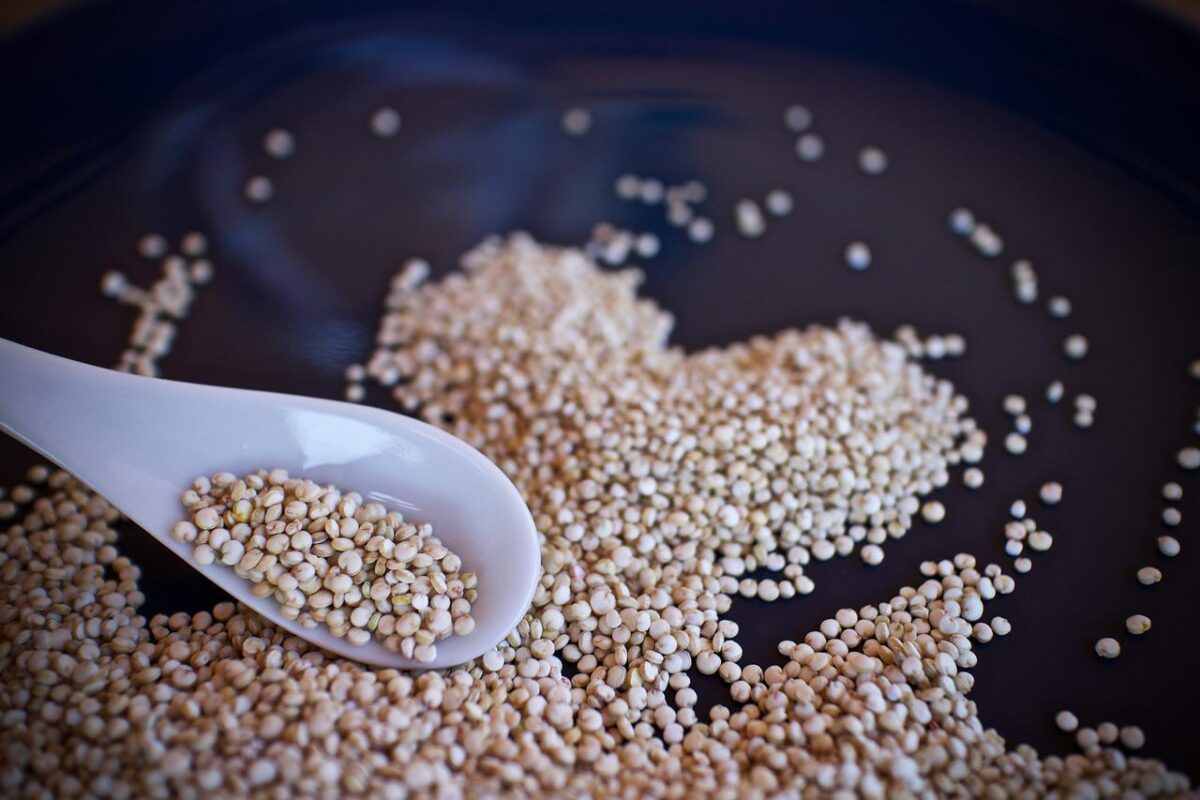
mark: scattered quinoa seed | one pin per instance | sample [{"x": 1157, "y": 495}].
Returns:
[
  {"x": 1059, "y": 307},
  {"x": 160, "y": 306},
  {"x": 628, "y": 186},
  {"x": 1108, "y": 647},
  {"x": 1189, "y": 458},
  {"x": 152, "y": 246},
  {"x": 810, "y": 147},
  {"x": 778, "y": 203},
  {"x": 749, "y": 220},
  {"x": 1051, "y": 493},
  {"x": 872, "y": 160},
  {"x": 933, "y": 512},
  {"x": 962, "y": 221},
  {"x": 576, "y": 121},
  {"x": 279, "y": 143},
  {"x": 652, "y": 191},
  {"x": 1132, "y": 737},
  {"x": 1169, "y": 546},
  {"x": 858, "y": 256},
  {"x": 1075, "y": 346},
  {"x": 113, "y": 283},
  {"x": 193, "y": 244},
  {"x": 1148, "y": 576},
  {"x": 200, "y": 271},
  {"x": 1137, "y": 624},
  {"x": 985, "y": 240},
  {"x": 647, "y": 245},
  {"x": 259, "y": 189},
  {"x": 385, "y": 122},
  {"x": 797, "y": 118},
  {"x": 1040, "y": 541},
  {"x": 700, "y": 230},
  {"x": 1066, "y": 721}
]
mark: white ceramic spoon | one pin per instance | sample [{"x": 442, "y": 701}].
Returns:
[{"x": 140, "y": 442}]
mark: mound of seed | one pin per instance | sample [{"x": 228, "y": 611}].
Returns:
[
  {"x": 97, "y": 699},
  {"x": 328, "y": 557},
  {"x": 657, "y": 481}
]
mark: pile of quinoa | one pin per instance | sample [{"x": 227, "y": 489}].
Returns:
[
  {"x": 328, "y": 557},
  {"x": 658, "y": 481}
]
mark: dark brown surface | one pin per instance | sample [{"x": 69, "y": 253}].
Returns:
[{"x": 299, "y": 286}]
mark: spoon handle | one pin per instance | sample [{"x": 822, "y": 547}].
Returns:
[
  {"x": 60, "y": 407},
  {"x": 123, "y": 435},
  {"x": 140, "y": 441}
]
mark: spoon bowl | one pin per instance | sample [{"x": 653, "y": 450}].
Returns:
[{"x": 140, "y": 442}]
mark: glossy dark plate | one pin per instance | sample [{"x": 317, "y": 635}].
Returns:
[{"x": 1071, "y": 130}]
